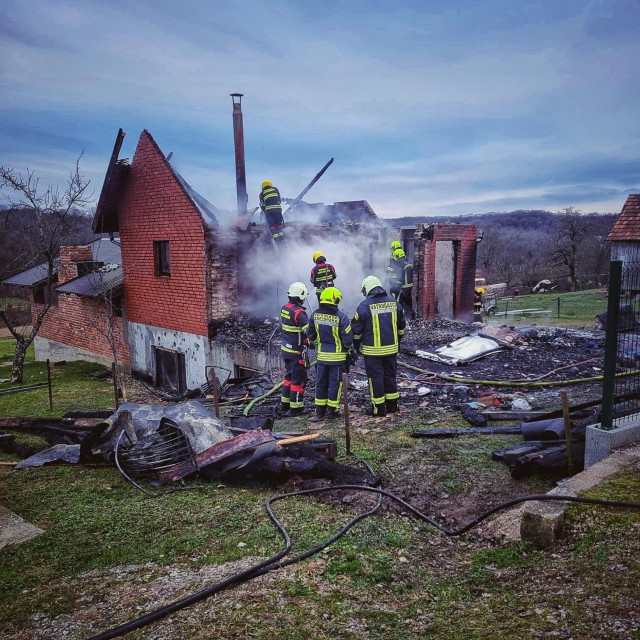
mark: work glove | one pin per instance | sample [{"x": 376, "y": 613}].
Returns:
[
  {"x": 352, "y": 357},
  {"x": 311, "y": 345}
]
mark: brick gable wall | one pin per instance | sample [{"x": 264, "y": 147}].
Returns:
[{"x": 156, "y": 208}]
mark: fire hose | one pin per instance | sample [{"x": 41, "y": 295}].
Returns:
[
  {"x": 276, "y": 561},
  {"x": 513, "y": 383}
]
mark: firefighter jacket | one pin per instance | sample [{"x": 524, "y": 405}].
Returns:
[
  {"x": 400, "y": 273},
  {"x": 270, "y": 200},
  {"x": 330, "y": 330},
  {"x": 323, "y": 275},
  {"x": 378, "y": 324},
  {"x": 293, "y": 323}
]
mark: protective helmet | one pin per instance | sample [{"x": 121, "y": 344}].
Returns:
[
  {"x": 395, "y": 245},
  {"x": 398, "y": 253},
  {"x": 480, "y": 290},
  {"x": 330, "y": 295},
  {"x": 316, "y": 255},
  {"x": 370, "y": 282},
  {"x": 266, "y": 183},
  {"x": 297, "y": 290}
]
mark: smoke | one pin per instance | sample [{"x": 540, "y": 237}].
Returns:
[{"x": 354, "y": 257}]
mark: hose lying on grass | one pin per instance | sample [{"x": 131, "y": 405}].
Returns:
[{"x": 277, "y": 562}]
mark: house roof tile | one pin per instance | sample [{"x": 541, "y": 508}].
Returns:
[{"x": 627, "y": 224}]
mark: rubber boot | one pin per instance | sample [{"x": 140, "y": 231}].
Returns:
[
  {"x": 392, "y": 406},
  {"x": 333, "y": 413},
  {"x": 380, "y": 411},
  {"x": 320, "y": 413}
]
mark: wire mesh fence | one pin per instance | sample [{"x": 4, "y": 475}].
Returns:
[{"x": 621, "y": 385}]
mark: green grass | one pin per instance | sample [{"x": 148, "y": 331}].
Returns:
[
  {"x": 73, "y": 390},
  {"x": 577, "y": 308},
  {"x": 389, "y": 577}
]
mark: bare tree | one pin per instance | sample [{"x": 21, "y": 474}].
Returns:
[
  {"x": 567, "y": 244},
  {"x": 57, "y": 217}
]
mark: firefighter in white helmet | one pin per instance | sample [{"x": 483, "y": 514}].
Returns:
[
  {"x": 378, "y": 326},
  {"x": 293, "y": 323}
]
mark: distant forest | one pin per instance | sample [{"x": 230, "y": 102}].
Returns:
[
  {"x": 521, "y": 248},
  {"x": 19, "y": 246}
]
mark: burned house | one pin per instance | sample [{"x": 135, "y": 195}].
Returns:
[
  {"x": 625, "y": 233},
  {"x": 187, "y": 266}
]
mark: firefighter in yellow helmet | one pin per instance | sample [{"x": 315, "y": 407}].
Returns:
[
  {"x": 271, "y": 206},
  {"x": 322, "y": 274},
  {"x": 400, "y": 272},
  {"x": 477, "y": 304},
  {"x": 330, "y": 331}
]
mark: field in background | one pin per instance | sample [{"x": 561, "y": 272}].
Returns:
[{"x": 571, "y": 309}]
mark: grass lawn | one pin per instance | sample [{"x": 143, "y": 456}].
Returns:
[
  {"x": 578, "y": 308},
  {"x": 110, "y": 554},
  {"x": 72, "y": 388}
]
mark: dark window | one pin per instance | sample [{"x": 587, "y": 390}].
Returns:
[
  {"x": 41, "y": 295},
  {"x": 161, "y": 256},
  {"x": 170, "y": 370},
  {"x": 117, "y": 304}
]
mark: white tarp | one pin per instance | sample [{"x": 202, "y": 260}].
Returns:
[{"x": 462, "y": 350}]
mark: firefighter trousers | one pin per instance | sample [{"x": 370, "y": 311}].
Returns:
[
  {"x": 383, "y": 385},
  {"x": 329, "y": 386},
  {"x": 295, "y": 378}
]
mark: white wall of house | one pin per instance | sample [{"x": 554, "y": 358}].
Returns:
[{"x": 143, "y": 338}]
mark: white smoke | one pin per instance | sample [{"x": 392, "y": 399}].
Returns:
[{"x": 350, "y": 254}]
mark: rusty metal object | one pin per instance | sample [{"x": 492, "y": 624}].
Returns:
[{"x": 238, "y": 140}]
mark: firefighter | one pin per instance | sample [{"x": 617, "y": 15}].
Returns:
[
  {"x": 323, "y": 274},
  {"x": 378, "y": 327},
  {"x": 294, "y": 322},
  {"x": 330, "y": 331},
  {"x": 395, "y": 244},
  {"x": 400, "y": 272},
  {"x": 477, "y": 304},
  {"x": 271, "y": 206}
]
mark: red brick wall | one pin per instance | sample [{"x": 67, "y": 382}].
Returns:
[
  {"x": 155, "y": 207},
  {"x": 425, "y": 266},
  {"x": 82, "y": 323}
]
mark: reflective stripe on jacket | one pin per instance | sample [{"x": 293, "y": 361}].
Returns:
[
  {"x": 270, "y": 199},
  {"x": 378, "y": 323},
  {"x": 400, "y": 274},
  {"x": 330, "y": 330},
  {"x": 293, "y": 323},
  {"x": 323, "y": 275}
]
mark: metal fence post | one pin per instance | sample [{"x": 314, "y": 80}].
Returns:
[{"x": 611, "y": 344}]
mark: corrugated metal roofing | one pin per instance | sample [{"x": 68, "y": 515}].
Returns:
[
  {"x": 96, "y": 284},
  {"x": 207, "y": 210},
  {"x": 627, "y": 224},
  {"x": 102, "y": 249}
]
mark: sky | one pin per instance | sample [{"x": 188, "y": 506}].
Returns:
[{"x": 429, "y": 107}]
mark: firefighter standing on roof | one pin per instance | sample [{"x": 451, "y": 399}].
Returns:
[
  {"x": 400, "y": 272},
  {"x": 323, "y": 274},
  {"x": 330, "y": 330},
  {"x": 378, "y": 326},
  {"x": 271, "y": 206},
  {"x": 294, "y": 322}
]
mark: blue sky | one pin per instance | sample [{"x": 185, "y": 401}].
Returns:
[{"x": 429, "y": 107}]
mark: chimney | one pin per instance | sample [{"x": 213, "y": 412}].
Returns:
[
  {"x": 69, "y": 256},
  {"x": 238, "y": 140}
]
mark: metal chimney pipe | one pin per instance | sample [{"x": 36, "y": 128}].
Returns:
[{"x": 238, "y": 139}]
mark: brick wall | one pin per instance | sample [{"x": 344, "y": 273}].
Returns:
[
  {"x": 83, "y": 323},
  {"x": 465, "y": 239},
  {"x": 223, "y": 277},
  {"x": 156, "y": 207}
]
